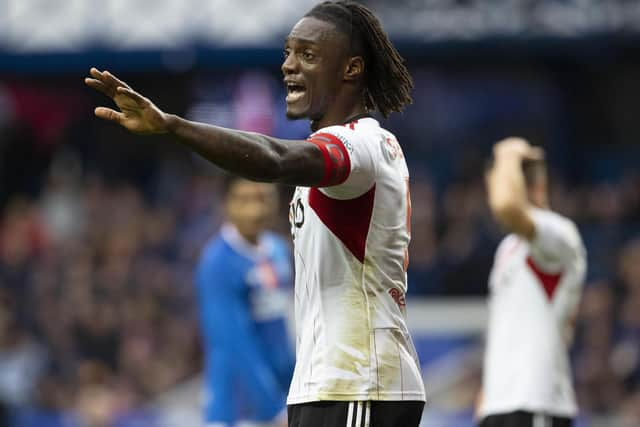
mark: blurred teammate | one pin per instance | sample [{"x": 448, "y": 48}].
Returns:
[
  {"x": 243, "y": 278},
  {"x": 356, "y": 363},
  {"x": 535, "y": 287}
]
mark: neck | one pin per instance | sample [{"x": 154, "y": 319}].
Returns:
[
  {"x": 250, "y": 238},
  {"x": 340, "y": 114},
  {"x": 239, "y": 243},
  {"x": 231, "y": 229}
]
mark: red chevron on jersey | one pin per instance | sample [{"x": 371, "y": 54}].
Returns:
[
  {"x": 351, "y": 229},
  {"x": 549, "y": 281}
]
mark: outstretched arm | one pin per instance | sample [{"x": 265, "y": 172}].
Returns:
[
  {"x": 251, "y": 155},
  {"x": 506, "y": 186}
]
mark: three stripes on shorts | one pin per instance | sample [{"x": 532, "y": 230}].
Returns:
[{"x": 358, "y": 414}]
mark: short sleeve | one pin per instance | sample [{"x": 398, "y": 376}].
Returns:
[
  {"x": 556, "y": 242},
  {"x": 349, "y": 162}
]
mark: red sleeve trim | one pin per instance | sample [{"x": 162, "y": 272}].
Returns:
[{"x": 337, "y": 164}]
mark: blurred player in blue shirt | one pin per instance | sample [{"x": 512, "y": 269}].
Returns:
[{"x": 243, "y": 280}]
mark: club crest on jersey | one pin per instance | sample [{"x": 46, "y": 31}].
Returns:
[
  {"x": 390, "y": 148},
  {"x": 263, "y": 275}
]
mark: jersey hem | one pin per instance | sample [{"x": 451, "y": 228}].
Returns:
[
  {"x": 505, "y": 409},
  {"x": 347, "y": 397}
]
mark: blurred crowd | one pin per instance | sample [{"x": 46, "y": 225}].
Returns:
[
  {"x": 96, "y": 312},
  {"x": 607, "y": 354},
  {"x": 99, "y": 234}
]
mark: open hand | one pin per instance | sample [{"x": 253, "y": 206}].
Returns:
[{"x": 137, "y": 113}]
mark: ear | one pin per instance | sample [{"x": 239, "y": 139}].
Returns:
[{"x": 354, "y": 69}]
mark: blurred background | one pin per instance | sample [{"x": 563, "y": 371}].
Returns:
[{"x": 100, "y": 230}]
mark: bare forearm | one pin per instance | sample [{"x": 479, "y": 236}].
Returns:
[
  {"x": 506, "y": 183},
  {"x": 508, "y": 195},
  {"x": 251, "y": 155}
]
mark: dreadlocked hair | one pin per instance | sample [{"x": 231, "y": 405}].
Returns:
[{"x": 387, "y": 81}]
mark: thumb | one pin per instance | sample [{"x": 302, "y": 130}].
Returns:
[{"x": 109, "y": 114}]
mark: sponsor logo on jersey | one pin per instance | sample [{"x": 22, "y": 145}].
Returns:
[{"x": 398, "y": 297}]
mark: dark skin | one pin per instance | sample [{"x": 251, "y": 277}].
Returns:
[{"x": 326, "y": 87}]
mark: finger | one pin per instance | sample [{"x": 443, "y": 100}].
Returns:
[
  {"x": 97, "y": 85},
  {"x": 95, "y": 73},
  {"x": 535, "y": 153},
  {"x": 517, "y": 143},
  {"x": 108, "y": 84},
  {"x": 518, "y": 140},
  {"x": 513, "y": 140},
  {"x": 132, "y": 94},
  {"x": 116, "y": 81},
  {"x": 513, "y": 145},
  {"x": 109, "y": 114}
]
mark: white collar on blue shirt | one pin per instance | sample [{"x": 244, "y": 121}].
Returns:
[{"x": 233, "y": 237}]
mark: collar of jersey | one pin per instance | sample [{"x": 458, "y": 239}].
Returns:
[
  {"x": 358, "y": 117},
  {"x": 232, "y": 236}
]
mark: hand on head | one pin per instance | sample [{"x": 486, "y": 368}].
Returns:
[{"x": 517, "y": 147}]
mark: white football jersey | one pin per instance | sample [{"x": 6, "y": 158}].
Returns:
[
  {"x": 535, "y": 288},
  {"x": 350, "y": 245}
]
